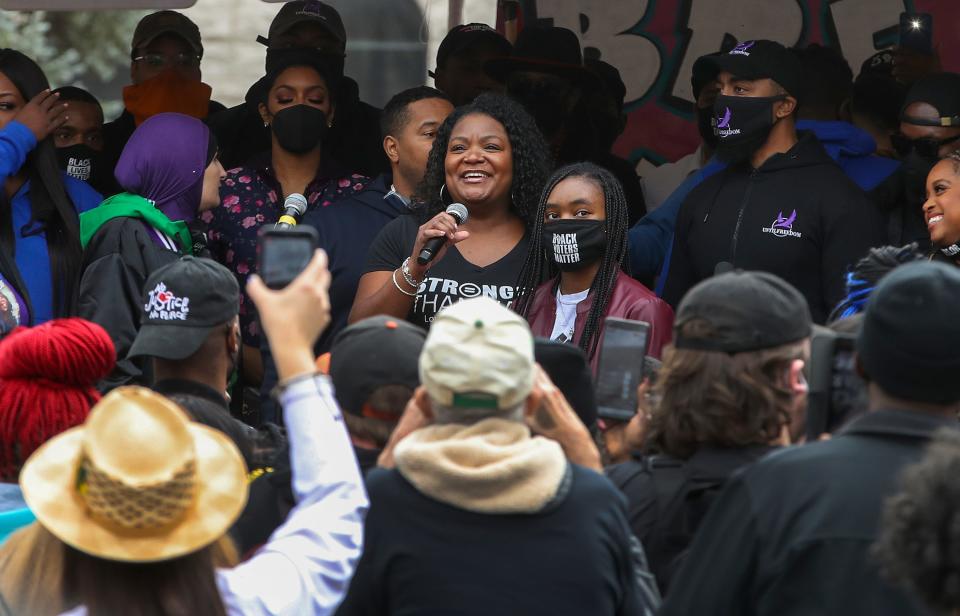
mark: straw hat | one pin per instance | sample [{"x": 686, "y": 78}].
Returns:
[{"x": 138, "y": 481}]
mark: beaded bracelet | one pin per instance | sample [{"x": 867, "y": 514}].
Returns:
[{"x": 405, "y": 270}]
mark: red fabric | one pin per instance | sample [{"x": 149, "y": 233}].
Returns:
[
  {"x": 629, "y": 300},
  {"x": 47, "y": 378}
]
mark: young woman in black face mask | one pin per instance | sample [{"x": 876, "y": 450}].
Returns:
[
  {"x": 296, "y": 100},
  {"x": 581, "y": 229}
]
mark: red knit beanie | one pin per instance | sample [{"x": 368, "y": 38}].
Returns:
[{"x": 47, "y": 378}]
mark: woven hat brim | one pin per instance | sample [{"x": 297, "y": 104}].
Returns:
[{"x": 48, "y": 483}]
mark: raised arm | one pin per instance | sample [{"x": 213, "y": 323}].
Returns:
[{"x": 305, "y": 567}]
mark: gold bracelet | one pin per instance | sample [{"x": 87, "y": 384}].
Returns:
[{"x": 393, "y": 277}]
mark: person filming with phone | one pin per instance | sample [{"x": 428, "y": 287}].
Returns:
[
  {"x": 730, "y": 390},
  {"x": 581, "y": 225},
  {"x": 489, "y": 159}
]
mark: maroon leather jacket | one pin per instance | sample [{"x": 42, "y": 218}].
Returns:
[{"x": 629, "y": 300}]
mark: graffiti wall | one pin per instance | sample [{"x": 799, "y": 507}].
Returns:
[{"x": 654, "y": 44}]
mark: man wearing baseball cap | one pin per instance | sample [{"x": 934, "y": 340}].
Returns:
[
  {"x": 480, "y": 517},
  {"x": 189, "y": 328},
  {"x": 730, "y": 391},
  {"x": 165, "y": 55},
  {"x": 792, "y": 533},
  {"x": 782, "y": 205},
  {"x": 313, "y": 28},
  {"x": 460, "y": 59},
  {"x": 373, "y": 366}
]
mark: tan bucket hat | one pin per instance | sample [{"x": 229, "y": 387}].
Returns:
[{"x": 138, "y": 481}]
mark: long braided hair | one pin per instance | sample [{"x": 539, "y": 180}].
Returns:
[
  {"x": 48, "y": 196},
  {"x": 537, "y": 266},
  {"x": 531, "y": 157}
]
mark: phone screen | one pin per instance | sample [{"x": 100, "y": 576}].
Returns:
[
  {"x": 284, "y": 254},
  {"x": 620, "y": 370},
  {"x": 916, "y": 32}
]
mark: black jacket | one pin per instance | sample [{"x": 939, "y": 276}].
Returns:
[
  {"x": 651, "y": 485},
  {"x": 425, "y": 557},
  {"x": 346, "y": 229},
  {"x": 115, "y": 265},
  {"x": 354, "y": 141},
  {"x": 791, "y": 534},
  {"x": 797, "y": 216},
  {"x": 902, "y": 212}
]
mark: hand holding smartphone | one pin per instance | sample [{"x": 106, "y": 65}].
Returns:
[
  {"x": 283, "y": 253},
  {"x": 621, "y": 368}
]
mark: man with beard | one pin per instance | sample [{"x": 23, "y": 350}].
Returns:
[
  {"x": 307, "y": 26},
  {"x": 546, "y": 74},
  {"x": 782, "y": 205},
  {"x": 929, "y": 131}
]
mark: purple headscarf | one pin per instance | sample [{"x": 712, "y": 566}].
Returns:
[{"x": 164, "y": 161}]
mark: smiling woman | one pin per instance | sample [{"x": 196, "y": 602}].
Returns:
[
  {"x": 490, "y": 157},
  {"x": 941, "y": 210}
]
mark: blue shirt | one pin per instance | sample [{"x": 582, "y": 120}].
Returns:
[{"x": 30, "y": 242}]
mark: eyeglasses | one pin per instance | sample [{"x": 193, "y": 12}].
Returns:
[
  {"x": 925, "y": 147},
  {"x": 159, "y": 60}
]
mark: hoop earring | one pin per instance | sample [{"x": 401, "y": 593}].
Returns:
[{"x": 442, "y": 186}]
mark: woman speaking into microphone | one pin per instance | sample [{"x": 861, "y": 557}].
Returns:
[{"x": 488, "y": 156}]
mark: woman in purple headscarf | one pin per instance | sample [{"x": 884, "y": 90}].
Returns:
[{"x": 170, "y": 172}]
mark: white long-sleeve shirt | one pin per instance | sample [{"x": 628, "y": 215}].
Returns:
[{"x": 306, "y": 566}]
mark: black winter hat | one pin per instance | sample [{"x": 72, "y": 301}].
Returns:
[
  {"x": 567, "y": 367},
  {"x": 908, "y": 342},
  {"x": 741, "y": 311},
  {"x": 942, "y": 92}
]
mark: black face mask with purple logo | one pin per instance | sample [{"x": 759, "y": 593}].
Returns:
[{"x": 743, "y": 125}]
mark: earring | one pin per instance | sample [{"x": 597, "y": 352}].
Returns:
[
  {"x": 442, "y": 186},
  {"x": 266, "y": 124}
]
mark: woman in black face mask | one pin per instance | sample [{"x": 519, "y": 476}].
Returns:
[
  {"x": 296, "y": 100},
  {"x": 579, "y": 241}
]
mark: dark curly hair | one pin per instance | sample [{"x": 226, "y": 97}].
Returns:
[
  {"x": 918, "y": 547},
  {"x": 866, "y": 274},
  {"x": 721, "y": 400},
  {"x": 531, "y": 157},
  {"x": 536, "y": 268}
]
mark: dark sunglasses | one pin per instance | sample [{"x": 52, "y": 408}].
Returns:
[{"x": 925, "y": 147}]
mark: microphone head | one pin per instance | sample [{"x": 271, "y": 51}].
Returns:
[
  {"x": 723, "y": 267},
  {"x": 458, "y": 211},
  {"x": 297, "y": 202}
]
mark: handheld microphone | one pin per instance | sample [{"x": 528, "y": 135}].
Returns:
[
  {"x": 294, "y": 206},
  {"x": 433, "y": 245}
]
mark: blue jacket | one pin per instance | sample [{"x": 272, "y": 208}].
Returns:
[
  {"x": 853, "y": 149},
  {"x": 30, "y": 243},
  {"x": 347, "y": 228},
  {"x": 651, "y": 239}
]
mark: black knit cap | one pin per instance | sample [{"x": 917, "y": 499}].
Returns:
[
  {"x": 567, "y": 367},
  {"x": 741, "y": 311},
  {"x": 939, "y": 90},
  {"x": 908, "y": 342}
]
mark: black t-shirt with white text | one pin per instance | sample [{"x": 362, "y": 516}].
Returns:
[{"x": 448, "y": 280}]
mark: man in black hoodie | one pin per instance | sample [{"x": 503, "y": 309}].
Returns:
[
  {"x": 782, "y": 205},
  {"x": 354, "y": 138}
]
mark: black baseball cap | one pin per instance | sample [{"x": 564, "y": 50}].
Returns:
[
  {"x": 371, "y": 354},
  {"x": 908, "y": 341},
  {"x": 939, "y": 90},
  {"x": 741, "y": 311},
  {"x": 567, "y": 367},
  {"x": 183, "y": 302},
  {"x": 762, "y": 59},
  {"x": 166, "y": 22},
  {"x": 300, "y": 11},
  {"x": 466, "y": 36}
]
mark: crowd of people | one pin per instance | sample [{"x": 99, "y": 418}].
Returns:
[{"x": 395, "y": 434}]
